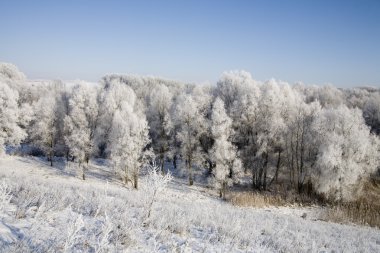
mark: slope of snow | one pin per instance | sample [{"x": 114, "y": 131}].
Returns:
[{"x": 51, "y": 210}]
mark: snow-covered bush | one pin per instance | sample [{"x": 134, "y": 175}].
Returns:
[
  {"x": 5, "y": 196},
  {"x": 73, "y": 232},
  {"x": 155, "y": 184},
  {"x": 104, "y": 239}
]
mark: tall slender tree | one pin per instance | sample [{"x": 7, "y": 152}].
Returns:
[
  {"x": 191, "y": 123},
  {"x": 223, "y": 153}
]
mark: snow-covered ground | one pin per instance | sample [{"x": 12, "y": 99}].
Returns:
[{"x": 51, "y": 210}]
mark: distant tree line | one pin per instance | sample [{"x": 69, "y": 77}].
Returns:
[{"x": 270, "y": 132}]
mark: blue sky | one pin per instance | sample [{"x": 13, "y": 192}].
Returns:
[{"x": 317, "y": 42}]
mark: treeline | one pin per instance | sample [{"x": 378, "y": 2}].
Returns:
[{"x": 272, "y": 132}]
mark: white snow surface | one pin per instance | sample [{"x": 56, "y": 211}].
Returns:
[{"x": 52, "y": 210}]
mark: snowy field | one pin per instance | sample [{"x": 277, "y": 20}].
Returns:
[{"x": 51, "y": 210}]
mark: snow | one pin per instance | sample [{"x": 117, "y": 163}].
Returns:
[{"x": 52, "y": 210}]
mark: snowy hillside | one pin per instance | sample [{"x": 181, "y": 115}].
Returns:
[
  {"x": 51, "y": 210},
  {"x": 190, "y": 126}
]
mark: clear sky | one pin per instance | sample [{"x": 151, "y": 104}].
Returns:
[{"x": 317, "y": 42}]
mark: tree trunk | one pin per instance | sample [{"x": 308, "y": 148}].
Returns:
[
  {"x": 258, "y": 178},
  {"x": 51, "y": 157},
  {"x": 277, "y": 166},
  {"x": 291, "y": 170},
  {"x": 191, "y": 182},
  {"x": 162, "y": 163},
  {"x": 210, "y": 167},
  {"x": 51, "y": 154},
  {"x": 265, "y": 180},
  {"x": 230, "y": 174},
  {"x": 222, "y": 193},
  {"x": 265, "y": 169},
  {"x": 277, "y": 169},
  {"x": 175, "y": 161},
  {"x": 253, "y": 179},
  {"x": 301, "y": 169},
  {"x": 51, "y": 151},
  {"x": 135, "y": 180},
  {"x": 262, "y": 174},
  {"x": 125, "y": 177},
  {"x": 83, "y": 175}
]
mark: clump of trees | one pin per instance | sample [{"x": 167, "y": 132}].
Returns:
[
  {"x": 128, "y": 136},
  {"x": 239, "y": 130}
]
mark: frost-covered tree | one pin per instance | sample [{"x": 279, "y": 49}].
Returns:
[
  {"x": 202, "y": 95},
  {"x": 43, "y": 130},
  {"x": 10, "y": 131},
  {"x": 129, "y": 136},
  {"x": 11, "y": 72},
  {"x": 356, "y": 97},
  {"x": 244, "y": 116},
  {"x": 223, "y": 153},
  {"x": 347, "y": 154},
  {"x": 62, "y": 93},
  {"x": 371, "y": 112},
  {"x": 47, "y": 124},
  {"x": 300, "y": 142},
  {"x": 269, "y": 128},
  {"x": 160, "y": 122},
  {"x": 232, "y": 85},
  {"x": 63, "y": 103},
  {"x": 81, "y": 123},
  {"x": 191, "y": 123},
  {"x": 112, "y": 95},
  {"x": 328, "y": 96}
]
